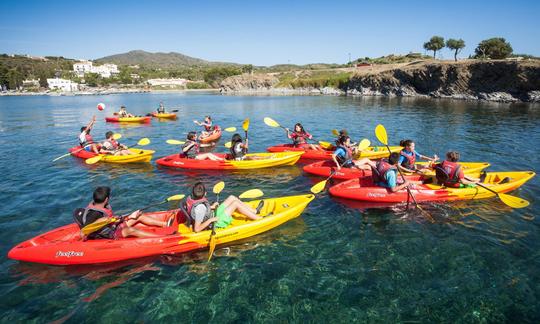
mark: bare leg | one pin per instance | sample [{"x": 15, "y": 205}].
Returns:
[
  {"x": 208, "y": 156},
  {"x": 131, "y": 231},
  {"x": 147, "y": 221},
  {"x": 234, "y": 204}
]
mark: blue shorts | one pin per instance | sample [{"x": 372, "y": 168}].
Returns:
[{"x": 88, "y": 148}]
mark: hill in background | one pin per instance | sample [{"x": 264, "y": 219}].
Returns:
[{"x": 157, "y": 60}]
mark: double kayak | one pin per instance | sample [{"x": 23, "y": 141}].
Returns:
[
  {"x": 140, "y": 120},
  {"x": 363, "y": 189},
  {"x": 64, "y": 246},
  {"x": 325, "y": 168},
  {"x": 137, "y": 156},
  {"x": 164, "y": 115},
  {"x": 213, "y": 137},
  {"x": 372, "y": 152},
  {"x": 264, "y": 160}
]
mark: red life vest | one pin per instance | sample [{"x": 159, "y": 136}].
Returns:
[
  {"x": 299, "y": 138},
  {"x": 447, "y": 173},
  {"x": 106, "y": 211},
  {"x": 378, "y": 174},
  {"x": 208, "y": 127},
  {"x": 190, "y": 206},
  {"x": 114, "y": 143},
  {"x": 410, "y": 160}
]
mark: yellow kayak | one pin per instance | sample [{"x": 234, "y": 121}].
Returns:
[
  {"x": 276, "y": 211},
  {"x": 263, "y": 160},
  {"x": 164, "y": 115},
  {"x": 138, "y": 155},
  {"x": 140, "y": 120},
  {"x": 377, "y": 152},
  {"x": 467, "y": 167}
]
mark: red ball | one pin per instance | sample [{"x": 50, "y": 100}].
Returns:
[{"x": 101, "y": 106}]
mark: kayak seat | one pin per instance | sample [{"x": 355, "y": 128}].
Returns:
[{"x": 505, "y": 180}]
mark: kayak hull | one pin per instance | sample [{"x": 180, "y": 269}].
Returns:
[
  {"x": 325, "y": 168},
  {"x": 372, "y": 152},
  {"x": 363, "y": 189},
  {"x": 215, "y": 136},
  {"x": 138, "y": 156},
  {"x": 63, "y": 246},
  {"x": 164, "y": 116},
  {"x": 139, "y": 120},
  {"x": 270, "y": 160}
]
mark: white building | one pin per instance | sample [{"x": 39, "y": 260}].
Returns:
[
  {"x": 105, "y": 70},
  {"x": 62, "y": 84},
  {"x": 167, "y": 82}
]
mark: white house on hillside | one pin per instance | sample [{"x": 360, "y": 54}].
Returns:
[
  {"x": 105, "y": 70},
  {"x": 62, "y": 84}
]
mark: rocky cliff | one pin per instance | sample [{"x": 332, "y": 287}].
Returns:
[{"x": 492, "y": 80}]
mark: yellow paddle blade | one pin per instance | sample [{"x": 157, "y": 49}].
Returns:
[
  {"x": 318, "y": 187},
  {"x": 513, "y": 201},
  {"x": 380, "y": 132},
  {"x": 91, "y": 228},
  {"x": 143, "y": 141},
  {"x": 325, "y": 145},
  {"x": 117, "y": 136},
  {"x": 230, "y": 129},
  {"x": 228, "y": 145},
  {"x": 364, "y": 144},
  {"x": 218, "y": 187},
  {"x": 212, "y": 245},
  {"x": 175, "y": 197},
  {"x": 94, "y": 159},
  {"x": 245, "y": 125},
  {"x": 250, "y": 194},
  {"x": 335, "y": 132},
  {"x": 175, "y": 142},
  {"x": 270, "y": 122}
]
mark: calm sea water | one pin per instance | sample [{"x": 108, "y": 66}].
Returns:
[{"x": 479, "y": 262}]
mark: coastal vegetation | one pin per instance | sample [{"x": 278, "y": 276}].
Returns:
[{"x": 435, "y": 44}]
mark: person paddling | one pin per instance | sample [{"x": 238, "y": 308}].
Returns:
[
  {"x": 100, "y": 210},
  {"x": 300, "y": 137},
  {"x": 113, "y": 147},
  {"x": 123, "y": 112},
  {"x": 85, "y": 139},
  {"x": 239, "y": 149},
  {"x": 343, "y": 155},
  {"x": 408, "y": 157},
  {"x": 384, "y": 173},
  {"x": 190, "y": 150},
  {"x": 201, "y": 214},
  {"x": 161, "y": 108},
  {"x": 450, "y": 174}
]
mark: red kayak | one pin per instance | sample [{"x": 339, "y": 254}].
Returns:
[
  {"x": 309, "y": 154},
  {"x": 215, "y": 136},
  {"x": 64, "y": 246}
]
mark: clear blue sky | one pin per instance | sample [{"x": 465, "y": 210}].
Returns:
[{"x": 261, "y": 32}]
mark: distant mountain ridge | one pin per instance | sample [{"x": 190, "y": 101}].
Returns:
[{"x": 157, "y": 60}]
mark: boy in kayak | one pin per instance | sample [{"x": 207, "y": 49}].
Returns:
[
  {"x": 201, "y": 215},
  {"x": 123, "y": 112},
  {"x": 85, "y": 139},
  {"x": 450, "y": 174},
  {"x": 111, "y": 146},
  {"x": 207, "y": 124},
  {"x": 190, "y": 150},
  {"x": 100, "y": 210},
  {"x": 408, "y": 157},
  {"x": 300, "y": 137},
  {"x": 343, "y": 155},
  {"x": 384, "y": 173},
  {"x": 161, "y": 108}
]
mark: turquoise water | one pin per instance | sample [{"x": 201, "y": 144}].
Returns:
[{"x": 479, "y": 261}]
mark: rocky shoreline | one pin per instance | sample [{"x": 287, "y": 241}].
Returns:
[
  {"x": 500, "y": 81},
  {"x": 97, "y": 92}
]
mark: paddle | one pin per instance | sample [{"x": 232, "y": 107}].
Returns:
[
  {"x": 272, "y": 123},
  {"x": 512, "y": 201},
  {"x": 335, "y": 132},
  {"x": 95, "y": 226},
  {"x": 97, "y": 158},
  {"x": 380, "y": 133},
  {"x": 230, "y": 129},
  {"x": 175, "y": 142},
  {"x": 319, "y": 186},
  {"x": 115, "y": 136},
  {"x": 245, "y": 127},
  {"x": 218, "y": 187}
]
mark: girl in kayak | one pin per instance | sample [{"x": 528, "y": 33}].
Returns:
[
  {"x": 300, "y": 137},
  {"x": 123, "y": 113},
  {"x": 343, "y": 155},
  {"x": 207, "y": 124},
  {"x": 450, "y": 174},
  {"x": 190, "y": 150},
  {"x": 111, "y": 146},
  {"x": 239, "y": 149},
  {"x": 384, "y": 173},
  {"x": 100, "y": 210},
  {"x": 85, "y": 139},
  {"x": 408, "y": 157},
  {"x": 201, "y": 214}
]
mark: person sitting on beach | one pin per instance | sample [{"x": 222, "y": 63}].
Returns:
[
  {"x": 200, "y": 213},
  {"x": 123, "y": 112},
  {"x": 450, "y": 174},
  {"x": 300, "y": 137},
  {"x": 190, "y": 150},
  {"x": 343, "y": 155},
  {"x": 85, "y": 139},
  {"x": 111, "y": 146},
  {"x": 207, "y": 124},
  {"x": 161, "y": 108},
  {"x": 408, "y": 157},
  {"x": 100, "y": 210}
]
